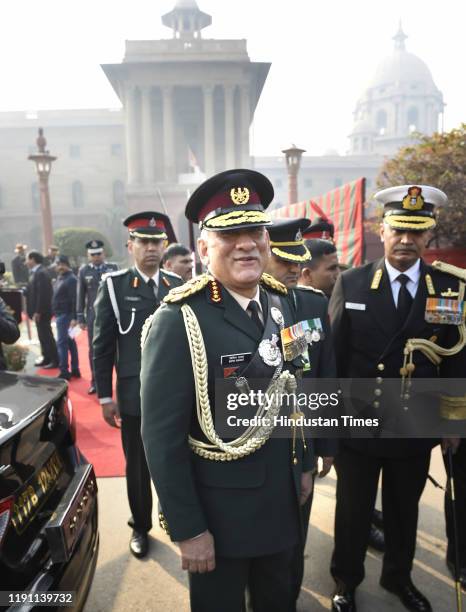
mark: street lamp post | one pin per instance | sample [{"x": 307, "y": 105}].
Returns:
[
  {"x": 43, "y": 161},
  {"x": 293, "y": 161}
]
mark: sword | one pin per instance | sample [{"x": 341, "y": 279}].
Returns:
[{"x": 451, "y": 495}]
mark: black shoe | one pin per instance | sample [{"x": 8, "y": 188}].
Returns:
[
  {"x": 91, "y": 390},
  {"x": 75, "y": 373},
  {"x": 461, "y": 577},
  {"x": 139, "y": 544},
  {"x": 343, "y": 599},
  {"x": 410, "y": 597},
  {"x": 377, "y": 518},
  {"x": 50, "y": 366},
  {"x": 377, "y": 539},
  {"x": 64, "y": 375}
]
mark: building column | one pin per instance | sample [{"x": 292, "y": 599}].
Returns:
[
  {"x": 168, "y": 134},
  {"x": 229, "y": 127},
  {"x": 131, "y": 135},
  {"x": 209, "y": 135},
  {"x": 245, "y": 159},
  {"x": 147, "y": 137}
]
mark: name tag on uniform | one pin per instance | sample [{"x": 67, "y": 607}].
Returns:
[
  {"x": 132, "y": 298},
  {"x": 231, "y": 363},
  {"x": 354, "y": 306}
]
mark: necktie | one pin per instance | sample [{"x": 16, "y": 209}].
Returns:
[
  {"x": 152, "y": 285},
  {"x": 405, "y": 299},
  {"x": 253, "y": 309}
]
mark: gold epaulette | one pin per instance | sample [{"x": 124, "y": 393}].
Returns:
[
  {"x": 196, "y": 284},
  {"x": 450, "y": 269},
  {"x": 310, "y": 288},
  {"x": 269, "y": 281}
]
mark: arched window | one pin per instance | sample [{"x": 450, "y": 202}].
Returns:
[
  {"x": 413, "y": 119},
  {"x": 77, "y": 194},
  {"x": 381, "y": 122},
  {"x": 118, "y": 194}
]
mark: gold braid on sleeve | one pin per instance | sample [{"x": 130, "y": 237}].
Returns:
[{"x": 254, "y": 437}]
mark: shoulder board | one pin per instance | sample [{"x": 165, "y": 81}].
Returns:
[
  {"x": 196, "y": 284},
  {"x": 271, "y": 283},
  {"x": 455, "y": 271},
  {"x": 310, "y": 288},
  {"x": 113, "y": 273},
  {"x": 170, "y": 273}
]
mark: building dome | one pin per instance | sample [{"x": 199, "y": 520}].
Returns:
[
  {"x": 401, "y": 98},
  {"x": 402, "y": 67}
]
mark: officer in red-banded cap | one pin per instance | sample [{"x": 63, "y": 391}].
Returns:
[
  {"x": 233, "y": 507},
  {"x": 124, "y": 301}
]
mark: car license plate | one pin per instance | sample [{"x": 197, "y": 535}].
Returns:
[{"x": 67, "y": 522}]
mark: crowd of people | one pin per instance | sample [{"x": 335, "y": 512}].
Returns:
[{"x": 239, "y": 507}]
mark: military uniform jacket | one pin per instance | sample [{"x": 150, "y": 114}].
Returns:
[
  {"x": 369, "y": 339},
  {"x": 311, "y": 304},
  {"x": 88, "y": 283},
  {"x": 250, "y": 505},
  {"x": 136, "y": 301}
]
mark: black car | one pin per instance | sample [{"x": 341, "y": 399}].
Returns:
[{"x": 49, "y": 537}]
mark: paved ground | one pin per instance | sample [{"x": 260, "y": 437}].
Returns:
[{"x": 157, "y": 584}]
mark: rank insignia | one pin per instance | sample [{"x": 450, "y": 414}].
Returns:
[
  {"x": 135, "y": 282},
  {"x": 430, "y": 285},
  {"x": 239, "y": 195},
  {"x": 377, "y": 278},
  {"x": 215, "y": 292}
]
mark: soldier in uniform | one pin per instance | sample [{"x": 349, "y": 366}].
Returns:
[
  {"x": 124, "y": 301},
  {"x": 89, "y": 278},
  {"x": 374, "y": 309},
  {"x": 232, "y": 507},
  {"x": 288, "y": 253}
]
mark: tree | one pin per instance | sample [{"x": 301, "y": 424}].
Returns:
[
  {"x": 440, "y": 161},
  {"x": 72, "y": 242}
]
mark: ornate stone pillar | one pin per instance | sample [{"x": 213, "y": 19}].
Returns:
[
  {"x": 209, "y": 134},
  {"x": 131, "y": 135},
  {"x": 147, "y": 137},
  {"x": 244, "y": 155},
  {"x": 229, "y": 127},
  {"x": 168, "y": 134}
]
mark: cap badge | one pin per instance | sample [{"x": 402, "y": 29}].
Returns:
[
  {"x": 299, "y": 236},
  {"x": 94, "y": 244},
  {"x": 152, "y": 222},
  {"x": 239, "y": 195},
  {"x": 413, "y": 200}
]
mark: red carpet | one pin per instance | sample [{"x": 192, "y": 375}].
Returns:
[{"x": 100, "y": 443}]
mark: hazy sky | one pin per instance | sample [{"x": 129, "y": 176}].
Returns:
[{"x": 323, "y": 52}]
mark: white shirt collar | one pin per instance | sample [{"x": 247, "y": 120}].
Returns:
[
  {"x": 244, "y": 301},
  {"x": 145, "y": 278},
  {"x": 414, "y": 272},
  {"x": 35, "y": 268}
]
